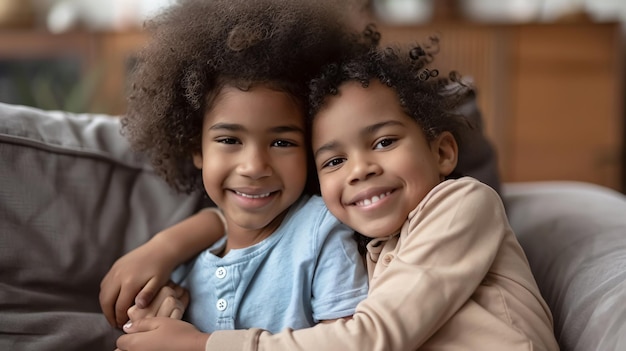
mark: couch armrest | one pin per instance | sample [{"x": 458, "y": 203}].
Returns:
[
  {"x": 574, "y": 235},
  {"x": 73, "y": 198}
]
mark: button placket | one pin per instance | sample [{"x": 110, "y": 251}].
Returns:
[{"x": 221, "y": 304}]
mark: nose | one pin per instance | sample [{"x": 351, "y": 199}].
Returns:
[
  {"x": 254, "y": 163},
  {"x": 362, "y": 168}
]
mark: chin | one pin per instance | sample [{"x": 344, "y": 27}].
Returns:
[{"x": 380, "y": 231}]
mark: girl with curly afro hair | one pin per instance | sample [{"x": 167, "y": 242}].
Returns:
[
  {"x": 197, "y": 47},
  {"x": 218, "y": 102}
]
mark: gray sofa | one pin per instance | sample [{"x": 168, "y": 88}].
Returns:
[{"x": 73, "y": 198}]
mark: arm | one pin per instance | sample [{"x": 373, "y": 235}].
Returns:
[
  {"x": 449, "y": 247},
  {"x": 162, "y": 334},
  {"x": 140, "y": 274}
]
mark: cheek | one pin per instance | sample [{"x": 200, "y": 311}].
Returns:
[
  {"x": 299, "y": 168},
  {"x": 291, "y": 169},
  {"x": 331, "y": 193},
  {"x": 296, "y": 177},
  {"x": 421, "y": 180},
  {"x": 214, "y": 170}
]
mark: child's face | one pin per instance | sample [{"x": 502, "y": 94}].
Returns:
[
  {"x": 374, "y": 162},
  {"x": 253, "y": 156}
]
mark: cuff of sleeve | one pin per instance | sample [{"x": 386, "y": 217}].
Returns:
[{"x": 233, "y": 340}]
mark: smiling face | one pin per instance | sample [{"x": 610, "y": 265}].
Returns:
[
  {"x": 374, "y": 162},
  {"x": 253, "y": 158}
]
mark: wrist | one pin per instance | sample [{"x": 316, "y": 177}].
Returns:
[
  {"x": 201, "y": 341},
  {"x": 181, "y": 242}
]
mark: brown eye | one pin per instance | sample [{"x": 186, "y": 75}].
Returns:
[
  {"x": 384, "y": 143},
  {"x": 228, "y": 141},
  {"x": 333, "y": 162},
  {"x": 283, "y": 143}
]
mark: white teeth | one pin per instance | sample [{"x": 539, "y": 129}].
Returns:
[
  {"x": 373, "y": 200},
  {"x": 250, "y": 196}
]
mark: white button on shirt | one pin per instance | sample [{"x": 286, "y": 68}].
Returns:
[
  {"x": 220, "y": 272},
  {"x": 221, "y": 304}
]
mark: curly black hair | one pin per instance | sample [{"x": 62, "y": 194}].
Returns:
[
  {"x": 197, "y": 47},
  {"x": 423, "y": 95}
]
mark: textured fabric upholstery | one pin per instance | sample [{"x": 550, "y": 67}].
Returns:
[
  {"x": 574, "y": 235},
  {"x": 73, "y": 198}
]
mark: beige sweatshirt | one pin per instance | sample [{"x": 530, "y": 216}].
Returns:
[{"x": 455, "y": 278}]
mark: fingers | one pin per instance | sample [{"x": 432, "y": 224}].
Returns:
[
  {"x": 135, "y": 337},
  {"x": 145, "y": 296},
  {"x": 123, "y": 303},
  {"x": 171, "y": 307},
  {"x": 135, "y": 326},
  {"x": 179, "y": 305},
  {"x": 107, "y": 297},
  {"x": 167, "y": 306},
  {"x": 179, "y": 291},
  {"x": 169, "y": 302},
  {"x": 184, "y": 299},
  {"x": 141, "y": 325},
  {"x": 177, "y": 313},
  {"x": 161, "y": 334}
]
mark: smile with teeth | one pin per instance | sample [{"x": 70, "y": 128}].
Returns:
[
  {"x": 372, "y": 200},
  {"x": 252, "y": 196}
]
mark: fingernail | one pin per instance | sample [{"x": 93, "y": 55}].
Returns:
[{"x": 128, "y": 325}]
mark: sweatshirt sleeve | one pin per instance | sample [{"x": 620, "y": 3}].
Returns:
[
  {"x": 234, "y": 340},
  {"x": 445, "y": 250}
]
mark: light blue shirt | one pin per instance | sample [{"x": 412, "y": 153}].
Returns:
[{"x": 308, "y": 270}]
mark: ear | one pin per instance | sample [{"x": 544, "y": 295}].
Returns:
[
  {"x": 197, "y": 159},
  {"x": 447, "y": 153}
]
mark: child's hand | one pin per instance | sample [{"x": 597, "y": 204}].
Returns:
[
  {"x": 161, "y": 334},
  {"x": 135, "y": 278},
  {"x": 138, "y": 276},
  {"x": 171, "y": 301}
]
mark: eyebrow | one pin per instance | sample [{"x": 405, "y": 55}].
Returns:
[
  {"x": 326, "y": 147},
  {"x": 233, "y": 127},
  {"x": 227, "y": 126},
  {"x": 365, "y": 131},
  {"x": 376, "y": 127}
]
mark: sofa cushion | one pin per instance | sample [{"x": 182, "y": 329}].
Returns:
[
  {"x": 574, "y": 235},
  {"x": 73, "y": 198}
]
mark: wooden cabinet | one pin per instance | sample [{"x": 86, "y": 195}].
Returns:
[{"x": 551, "y": 94}]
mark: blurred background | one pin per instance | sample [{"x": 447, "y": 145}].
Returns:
[{"x": 549, "y": 74}]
